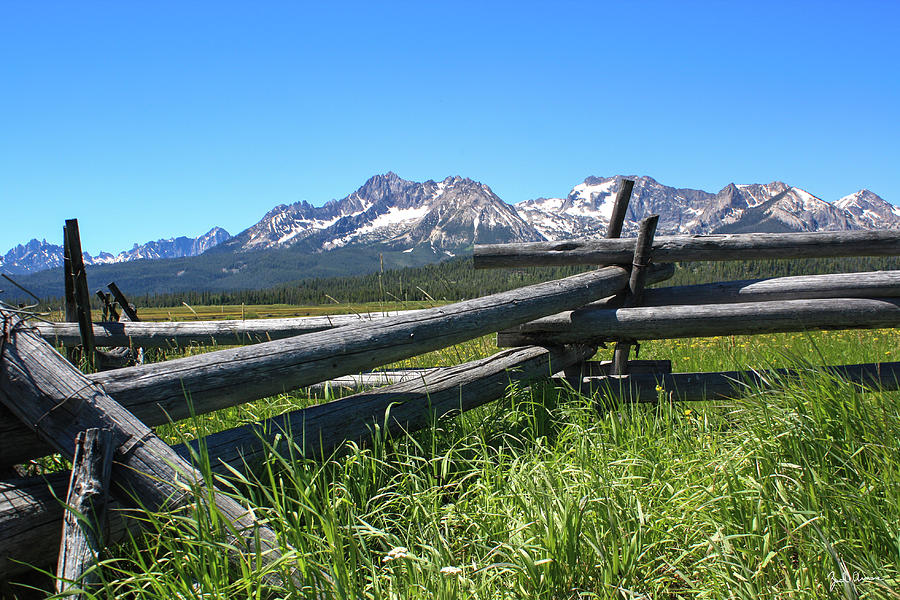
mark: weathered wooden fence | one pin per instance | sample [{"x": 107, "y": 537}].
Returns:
[
  {"x": 804, "y": 303},
  {"x": 552, "y": 328}
]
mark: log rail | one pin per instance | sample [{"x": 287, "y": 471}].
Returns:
[
  {"x": 31, "y": 515},
  {"x": 749, "y": 318},
  {"x": 681, "y": 248},
  {"x": 162, "y": 392}
]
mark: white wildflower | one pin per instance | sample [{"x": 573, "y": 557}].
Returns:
[{"x": 395, "y": 553}]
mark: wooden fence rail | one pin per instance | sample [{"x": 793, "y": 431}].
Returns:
[
  {"x": 158, "y": 393},
  {"x": 679, "y": 248},
  {"x": 31, "y": 514},
  {"x": 148, "y": 334},
  {"x": 706, "y": 320},
  {"x": 875, "y": 284},
  {"x": 692, "y": 387},
  {"x": 872, "y": 284}
]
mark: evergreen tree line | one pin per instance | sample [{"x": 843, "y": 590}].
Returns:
[{"x": 457, "y": 279}]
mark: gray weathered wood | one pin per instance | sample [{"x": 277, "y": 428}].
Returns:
[
  {"x": 30, "y": 515},
  {"x": 109, "y": 310},
  {"x": 411, "y": 404},
  {"x": 127, "y": 307},
  {"x": 620, "y": 207},
  {"x": 71, "y": 313},
  {"x": 148, "y": 334},
  {"x": 115, "y": 358},
  {"x": 157, "y": 393},
  {"x": 639, "y": 266},
  {"x": 874, "y": 284},
  {"x": 742, "y": 246},
  {"x": 54, "y": 399},
  {"x": 707, "y": 320},
  {"x": 364, "y": 381},
  {"x": 82, "y": 533},
  {"x": 576, "y": 374},
  {"x": 81, "y": 293},
  {"x": 731, "y": 384},
  {"x": 68, "y": 281}
]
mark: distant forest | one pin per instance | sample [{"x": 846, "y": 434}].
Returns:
[{"x": 457, "y": 279}]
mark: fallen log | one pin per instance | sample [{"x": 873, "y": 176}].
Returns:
[
  {"x": 158, "y": 393},
  {"x": 707, "y": 320},
  {"x": 173, "y": 334},
  {"x": 57, "y": 401},
  {"x": 692, "y": 387},
  {"x": 30, "y": 513},
  {"x": 679, "y": 248}
]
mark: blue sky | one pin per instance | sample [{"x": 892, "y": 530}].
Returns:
[{"x": 149, "y": 120}]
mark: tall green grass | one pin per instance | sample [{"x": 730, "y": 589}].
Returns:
[
  {"x": 785, "y": 493},
  {"x": 791, "y": 492}
]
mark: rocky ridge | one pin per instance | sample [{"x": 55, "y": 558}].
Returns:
[
  {"x": 437, "y": 219},
  {"x": 39, "y": 255}
]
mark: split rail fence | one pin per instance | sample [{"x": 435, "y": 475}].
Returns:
[{"x": 102, "y": 420}]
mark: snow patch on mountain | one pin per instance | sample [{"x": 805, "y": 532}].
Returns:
[
  {"x": 445, "y": 217},
  {"x": 39, "y": 255},
  {"x": 870, "y": 210},
  {"x": 773, "y": 207}
]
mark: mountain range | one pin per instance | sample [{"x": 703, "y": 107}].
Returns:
[
  {"x": 39, "y": 255},
  {"x": 414, "y": 223}
]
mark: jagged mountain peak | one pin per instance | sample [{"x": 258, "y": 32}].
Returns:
[
  {"x": 40, "y": 255},
  {"x": 860, "y": 198},
  {"x": 448, "y": 214},
  {"x": 775, "y": 206},
  {"x": 870, "y": 210},
  {"x": 442, "y": 217}
]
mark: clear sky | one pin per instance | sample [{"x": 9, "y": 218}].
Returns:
[{"x": 156, "y": 119}]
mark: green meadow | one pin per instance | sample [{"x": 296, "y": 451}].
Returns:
[{"x": 789, "y": 492}]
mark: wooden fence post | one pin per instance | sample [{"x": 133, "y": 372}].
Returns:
[
  {"x": 127, "y": 307},
  {"x": 81, "y": 295},
  {"x": 620, "y": 207},
  {"x": 214, "y": 380},
  {"x": 639, "y": 266},
  {"x": 575, "y": 373},
  {"x": 71, "y": 313},
  {"x": 84, "y": 523},
  {"x": 109, "y": 310}
]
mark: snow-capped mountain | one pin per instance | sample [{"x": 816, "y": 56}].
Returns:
[
  {"x": 441, "y": 216},
  {"x": 772, "y": 207},
  {"x": 40, "y": 255},
  {"x": 438, "y": 219},
  {"x": 869, "y": 210},
  {"x": 174, "y": 247}
]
